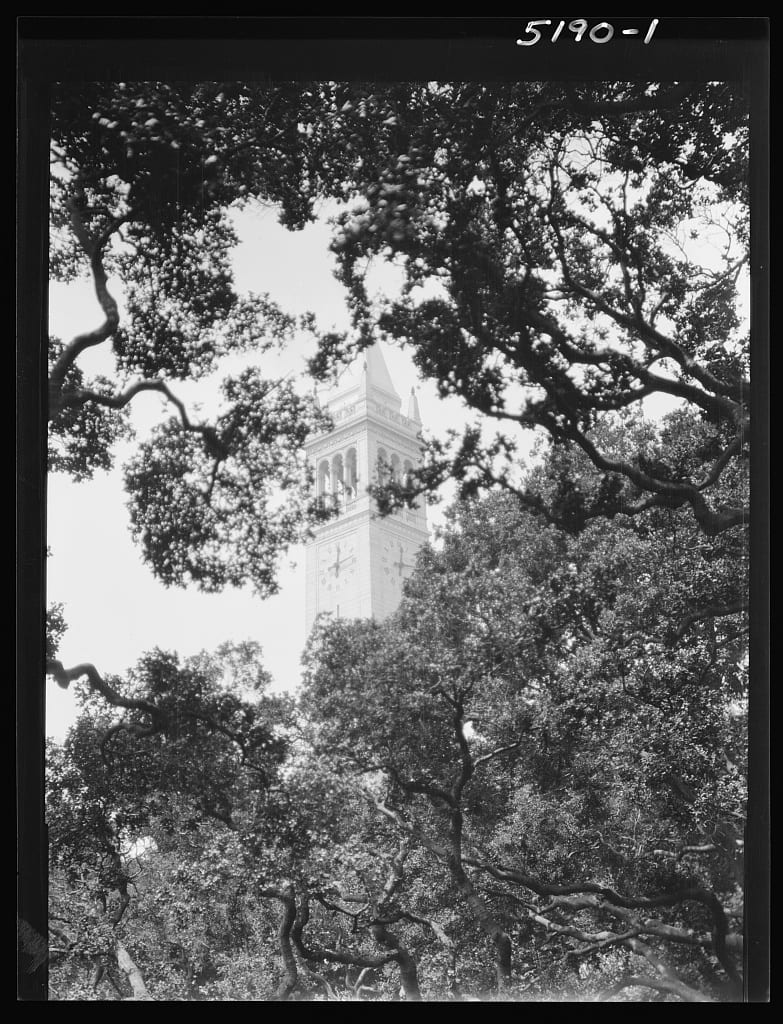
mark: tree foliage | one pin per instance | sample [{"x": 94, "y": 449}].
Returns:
[
  {"x": 538, "y": 717},
  {"x": 567, "y": 251},
  {"x": 529, "y": 782},
  {"x": 144, "y": 179}
]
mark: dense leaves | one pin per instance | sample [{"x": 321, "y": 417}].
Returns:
[
  {"x": 218, "y": 509},
  {"x": 144, "y": 177},
  {"x": 566, "y": 252},
  {"x": 541, "y": 713},
  {"x": 527, "y": 783}
]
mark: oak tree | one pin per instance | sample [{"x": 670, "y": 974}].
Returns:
[
  {"x": 544, "y": 718},
  {"x": 567, "y": 251}
]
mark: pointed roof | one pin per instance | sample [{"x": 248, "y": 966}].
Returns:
[
  {"x": 367, "y": 375},
  {"x": 377, "y": 371}
]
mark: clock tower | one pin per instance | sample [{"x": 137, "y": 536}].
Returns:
[{"x": 357, "y": 562}]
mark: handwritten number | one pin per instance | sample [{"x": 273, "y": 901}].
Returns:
[
  {"x": 600, "y": 33},
  {"x": 651, "y": 29},
  {"x": 531, "y": 27},
  {"x": 602, "y": 26}
]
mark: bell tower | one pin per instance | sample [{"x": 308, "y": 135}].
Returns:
[{"x": 356, "y": 563}]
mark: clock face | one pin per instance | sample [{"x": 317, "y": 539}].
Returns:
[
  {"x": 337, "y": 564},
  {"x": 397, "y": 561}
]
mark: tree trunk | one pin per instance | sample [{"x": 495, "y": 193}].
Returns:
[
  {"x": 500, "y": 938},
  {"x": 290, "y": 981},
  {"x": 409, "y": 975},
  {"x": 134, "y": 975}
]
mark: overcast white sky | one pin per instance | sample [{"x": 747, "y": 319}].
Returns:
[{"x": 114, "y": 607}]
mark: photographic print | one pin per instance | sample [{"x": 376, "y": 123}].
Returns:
[{"x": 397, "y": 522}]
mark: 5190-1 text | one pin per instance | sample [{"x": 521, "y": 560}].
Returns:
[{"x": 600, "y": 33}]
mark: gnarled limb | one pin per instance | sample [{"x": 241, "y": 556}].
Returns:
[
  {"x": 159, "y": 716},
  {"x": 64, "y": 677},
  {"x": 694, "y": 893},
  {"x": 377, "y": 927},
  {"x": 287, "y": 896},
  {"x": 687, "y": 994},
  {"x": 667, "y": 493},
  {"x": 336, "y": 956},
  {"x": 80, "y": 396},
  {"x": 451, "y": 856},
  {"x": 93, "y": 249},
  {"x": 380, "y": 932}
]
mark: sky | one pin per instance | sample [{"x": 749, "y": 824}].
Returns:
[{"x": 114, "y": 607}]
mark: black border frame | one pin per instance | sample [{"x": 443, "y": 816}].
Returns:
[{"x": 52, "y": 49}]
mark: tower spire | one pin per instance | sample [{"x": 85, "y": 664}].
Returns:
[
  {"x": 378, "y": 378},
  {"x": 366, "y": 377},
  {"x": 413, "y": 407}
]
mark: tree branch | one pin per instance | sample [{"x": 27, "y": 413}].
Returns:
[
  {"x": 497, "y": 752},
  {"x": 93, "y": 249},
  {"x": 694, "y": 893},
  {"x": 466, "y": 771},
  {"x": 134, "y": 975},
  {"x": 679, "y": 493},
  {"x": 685, "y": 993},
  {"x": 316, "y": 952},
  {"x": 64, "y": 677},
  {"x": 657, "y": 101},
  {"x": 713, "y": 611},
  {"x": 80, "y": 396},
  {"x": 726, "y": 396}
]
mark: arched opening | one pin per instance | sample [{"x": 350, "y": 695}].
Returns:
[
  {"x": 324, "y": 485},
  {"x": 351, "y": 475},
  {"x": 338, "y": 480},
  {"x": 407, "y": 480},
  {"x": 395, "y": 469},
  {"x": 383, "y": 466}
]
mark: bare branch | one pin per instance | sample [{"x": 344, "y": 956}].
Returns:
[{"x": 316, "y": 952}]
